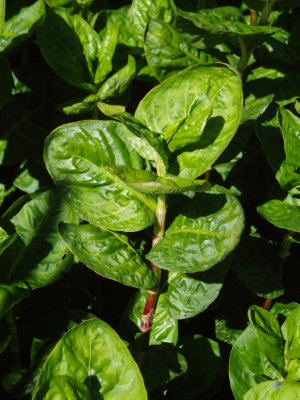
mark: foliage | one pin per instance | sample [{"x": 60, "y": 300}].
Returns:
[{"x": 149, "y": 193}]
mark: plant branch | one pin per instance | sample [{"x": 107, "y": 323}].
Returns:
[
  {"x": 14, "y": 342},
  {"x": 282, "y": 255},
  {"x": 242, "y": 65}
]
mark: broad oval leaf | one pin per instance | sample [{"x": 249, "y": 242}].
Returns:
[
  {"x": 189, "y": 295},
  {"x": 77, "y": 156},
  {"x": 108, "y": 254},
  {"x": 70, "y": 46},
  {"x": 291, "y": 333},
  {"x": 281, "y": 214},
  {"x": 290, "y": 128},
  {"x": 175, "y": 104},
  {"x": 94, "y": 354},
  {"x": 202, "y": 235},
  {"x": 165, "y": 326},
  {"x": 274, "y": 390},
  {"x": 38, "y": 254},
  {"x": 62, "y": 386}
]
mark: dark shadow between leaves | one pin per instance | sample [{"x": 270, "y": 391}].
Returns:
[
  {"x": 204, "y": 204},
  {"x": 94, "y": 386}
]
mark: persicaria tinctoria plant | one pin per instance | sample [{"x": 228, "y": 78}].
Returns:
[{"x": 150, "y": 194}]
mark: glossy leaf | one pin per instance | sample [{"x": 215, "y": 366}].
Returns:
[
  {"x": 290, "y": 128},
  {"x": 11, "y": 294},
  {"x": 77, "y": 156},
  {"x": 20, "y": 26},
  {"x": 149, "y": 183},
  {"x": 167, "y": 53},
  {"x": 209, "y": 30},
  {"x": 270, "y": 340},
  {"x": 62, "y": 386},
  {"x": 108, "y": 254},
  {"x": 281, "y": 214},
  {"x": 203, "y": 235},
  {"x": 160, "y": 364},
  {"x": 175, "y": 104},
  {"x": 254, "y": 261},
  {"x": 165, "y": 326},
  {"x": 70, "y": 47},
  {"x": 38, "y": 255},
  {"x": 189, "y": 295},
  {"x": 291, "y": 333},
  {"x": 274, "y": 390},
  {"x": 85, "y": 353},
  {"x": 203, "y": 358},
  {"x": 245, "y": 363}
]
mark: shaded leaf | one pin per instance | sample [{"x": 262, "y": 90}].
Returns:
[
  {"x": 11, "y": 294},
  {"x": 62, "y": 386}
]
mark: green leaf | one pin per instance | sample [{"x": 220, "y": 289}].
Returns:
[
  {"x": 291, "y": 333},
  {"x": 278, "y": 5},
  {"x": 62, "y": 386},
  {"x": 167, "y": 53},
  {"x": 209, "y": 30},
  {"x": 5, "y": 337},
  {"x": 132, "y": 315},
  {"x": 290, "y": 128},
  {"x": 22, "y": 24},
  {"x": 254, "y": 261},
  {"x": 108, "y": 254},
  {"x": 203, "y": 235},
  {"x": 2, "y": 15},
  {"x": 203, "y": 357},
  {"x": 118, "y": 83},
  {"x": 149, "y": 183},
  {"x": 11, "y": 294},
  {"x": 38, "y": 255},
  {"x": 189, "y": 295},
  {"x": 165, "y": 326},
  {"x": 77, "y": 156},
  {"x": 177, "y": 101},
  {"x": 85, "y": 353},
  {"x": 110, "y": 110},
  {"x": 274, "y": 390},
  {"x": 160, "y": 364},
  {"x": 245, "y": 363},
  {"x": 270, "y": 341},
  {"x": 281, "y": 214},
  {"x": 70, "y": 46}
]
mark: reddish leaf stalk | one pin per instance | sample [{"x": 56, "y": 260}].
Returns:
[
  {"x": 282, "y": 255},
  {"x": 14, "y": 342},
  {"x": 158, "y": 233}
]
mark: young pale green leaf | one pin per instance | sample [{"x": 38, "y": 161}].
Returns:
[
  {"x": 11, "y": 294},
  {"x": 291, "y": 333},
  {"x": 110, "y": 110},
  {"x": 200, "y": 30},
  {"x": 270, "y": 341},
  {"x": 38, "y": 255},
  {"x": 254, "y": 261},
  {"x": 62, "y": 386},
  {"x": 70, "y": 46},
  {"x": 118, "y": 83},
  {"x": 165, "y": 326},
  {"x": 160, "y": 364},
  {"x": 149, "y": 183},
  {"x": 274, "y": 390},
  {"x": 189, "y": 295},
  {"x": 202, "y": 235},
  {"x": 281, "y": 214},
  {"x": 108, "y": 254},
  {"x": 245, "y": 363},
  {"x": 176, "y": 102},
  {"x": 290, "y": 128},
  {"x": 20, "y": 26},
  {"x": 77, "y": 156},
  {"x": 167, "y": 53},
  {"x": 203, "y": 358},
  {"x": 94, "y": 354}
]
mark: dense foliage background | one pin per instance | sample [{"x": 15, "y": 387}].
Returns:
[{"x": 226, "y": 320}]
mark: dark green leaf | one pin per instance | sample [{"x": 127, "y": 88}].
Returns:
[
  {"x": 95, "y": 355},
  {"x": 77, "y": 156},
  {"x": 11, "y": 294},
  {"x": 5, "y": 337},
  {"x": 108, "y": 254},
  {"x": 6, "y": 81},
  {"x": 203, "y": 235},
  {"x": 281, "y": 214},
  {"x": 279, "y": 5},
  {"x": 178, "y": 103},
  {"x": 189, "y": 295},
  {"x": 290, "y": 128}
]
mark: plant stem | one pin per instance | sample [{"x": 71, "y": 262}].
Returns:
[
  {"x": 14, "y": 342},
  {"x": 158, "y": 233},
  {"x": 95, "y": 114},
  {"x": 242, "y": 65},
  {"x": 253, "y": 17},
  {"x": 266, "y": 11},
  {"x": 282, "y": 254}
]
